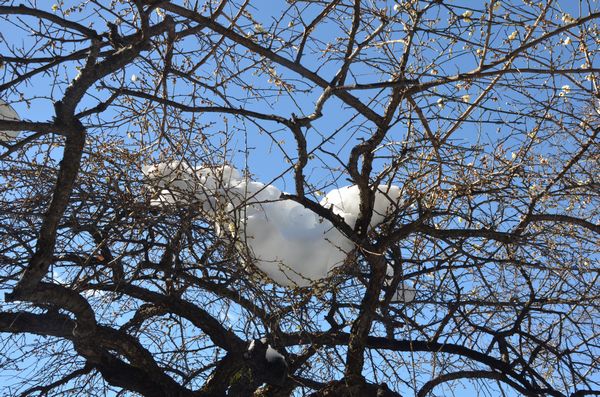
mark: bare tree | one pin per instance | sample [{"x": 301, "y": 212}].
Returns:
[{"x": 484, "y": 115}]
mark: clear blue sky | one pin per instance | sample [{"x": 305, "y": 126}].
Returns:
[{"x": 264, "y": 152}]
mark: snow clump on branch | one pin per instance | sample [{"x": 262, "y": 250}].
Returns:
[
  {"x": 291, "y": 244},
  {"x": 9, "y": 114}
]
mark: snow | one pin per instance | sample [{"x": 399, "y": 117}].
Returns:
[
  {"x": 272, "y": 355},
  {"x": 403, "y": 293},
  {"x": 268, "y": 362},
  {"x": 345, "y": 202},
  {"x": 8, "y": 113},
  {"x": 290, "y": 244}
]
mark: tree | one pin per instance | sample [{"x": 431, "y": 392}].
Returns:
[{"x": 483, "y": 116}]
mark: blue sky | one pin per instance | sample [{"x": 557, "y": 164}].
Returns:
[{"x": 263, "y": 151}]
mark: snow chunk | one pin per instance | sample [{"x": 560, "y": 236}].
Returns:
[
  {"x": 213, "y": 179},
  {"x": 345, "y": 202},
  {"x": 403, "y": 294},
  {"x": 174, "y": 180},
  {"x": 291, "y": 244},
  {"x": 252, "y": 345},
  {"x": 177, "y": 182},
  {"x": 8, "y": 113},
  {"x": 173, "y": 175},
  {"x": 273, "y": 355},
  {"x": 268, "y": 363}
]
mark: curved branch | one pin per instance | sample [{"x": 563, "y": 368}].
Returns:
[
  {"x": 23, "y": 10},
  {"x": 204, "y": 109},
  {"x": 219, "y": 335},
  {"x": 142, "y": 375},
  {"x": 45, "y": 389},
  {"x": 374, "y": 342},
  {"x": 558, "y": 218},
  {"x": 430, "y": 385}
]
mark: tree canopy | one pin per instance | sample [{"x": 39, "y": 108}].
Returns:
[{"x": 443, "y": 154}]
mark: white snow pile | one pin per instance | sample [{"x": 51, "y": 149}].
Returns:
[
  {"x": 8, "y": 113},
  {"x": 289, "y": 243},
  {"x": 271, "y": 355},
  {"x": 402, "y": 294},
  {"x": 268, "y": 362}
]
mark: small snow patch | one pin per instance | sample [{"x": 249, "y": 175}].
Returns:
[
  {"x": 9, "y": 114},
  {"x": 272, "y": 355}
]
